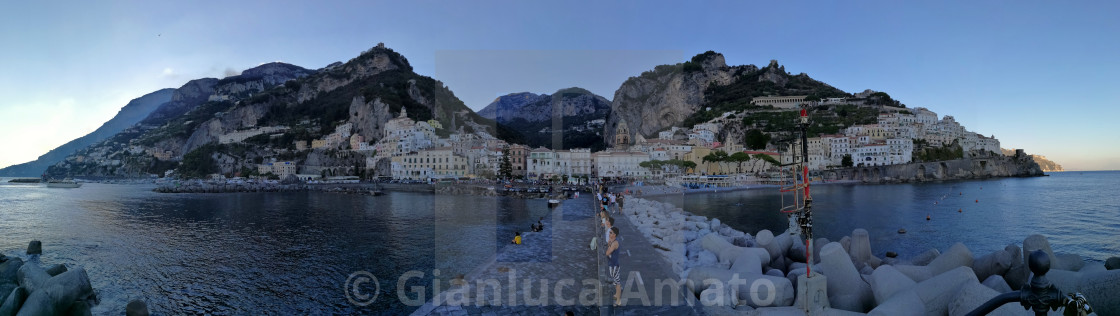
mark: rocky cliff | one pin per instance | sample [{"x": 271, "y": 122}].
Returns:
[
  {"x": 568, "y": 118},
  {"x": 699, "y": 90},
  {"x": 958, "y": 169},
  {"x": 1047, "y": 165},
  {"x": 132, "y": 113},
  {"x": 294, "y": 103},
  {"x": 667, "y": 95}
]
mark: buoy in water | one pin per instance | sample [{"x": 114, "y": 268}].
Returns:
[
  {"x": 977, "y": 201},
  {"x": 901, "y": 231},
  {"x": 959, "y": 210},
  {"x": 927, "y": 217}
]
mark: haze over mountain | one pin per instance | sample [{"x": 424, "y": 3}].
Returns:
[
  {"x": 132, "y": 113},
  {"x": 568, "y": 118}
]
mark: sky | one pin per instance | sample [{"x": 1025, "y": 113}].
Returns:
[{"x": 1039, "y": 75}]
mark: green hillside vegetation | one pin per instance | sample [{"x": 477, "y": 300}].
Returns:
[{"x": 737, "y": 95}]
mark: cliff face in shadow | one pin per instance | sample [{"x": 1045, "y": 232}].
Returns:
[{"x": 959, "y": 169}]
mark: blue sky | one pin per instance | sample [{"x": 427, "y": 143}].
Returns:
[{"x": 1039, "y": 75}]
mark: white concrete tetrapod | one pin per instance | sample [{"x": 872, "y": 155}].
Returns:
[{"x": 846, "y": 288}]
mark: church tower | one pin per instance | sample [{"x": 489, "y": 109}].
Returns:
[{"x": 621, "y": 135}]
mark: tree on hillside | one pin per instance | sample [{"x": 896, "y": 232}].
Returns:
[
  {"x": 756, "y": 139},
  {"x": 740, "y": 158},
  {"x": 767, "y": 158},
  {"x": 505, "y": 167},
  {"x": 846, "y": 161},
  {"x": 717, "y": 157}
]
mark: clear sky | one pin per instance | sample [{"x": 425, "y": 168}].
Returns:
[{"x": 1039, "y": 75}]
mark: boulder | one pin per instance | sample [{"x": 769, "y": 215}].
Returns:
[
  {"x": 934, "y": 294},
  {"x": 1019, "y": 273},
  {"x": 56, "y": 269},
  {"x": 707, "y": 258},
  {"x": 13, "y": 301},
  {"x": 9, "y": 270},
  {"x": 996, "y": 263},
  {"x": 1039, "y": 242},
  {"x": 924, "y": 258},
  {"x": 997, "y": 283},
  {"x": 796, "y": 251},
  {"x": 957, "y": 256},
  {"x": 972, "y": 295},
  {"x": 1099, "y": 288},
  {"x": 1092, "y": 267},
  {"x": 31, "y": 276},
  {"x": 726, "y": 252},
  {"x": 57, "y": 294},
  {"x": 846, "y": 242},
  {"x": 136, "y": 308},
  {"x": 764, "y": 237},
  {"x": 775, "y": 272},
  {"x": 846, "y": 288},
  {"x": 886, "y": 281},
  {"x": 35, "y": 247},
  {"x": 782, "y": 287},
  {"x": 79, "y": 308},
  {"x": 1068, "y": 261},
  {"x": 747, "y": 263},
  {"x": 817, "y": 246},
  {"x": 916, "y": 273},
  {"x": 860, "y": 248},
  {"x": 1112, "y": 263}
]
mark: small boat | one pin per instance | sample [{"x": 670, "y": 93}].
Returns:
[
  {"x": 67, "y": 184},
  {"x": 553, "y": 202}
]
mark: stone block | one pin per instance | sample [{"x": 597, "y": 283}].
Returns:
[
  {"x": 9, "y": 270},
  {"x": 997, "y": 283},
  {"x": 860, "y": 248},
  {"x": 995, "y": 263},
  {"x": 886, "y": 281},
  {"x": 1038, "y": 242},
  {"x": 812, "y": 292},
  {"x": 847, "y": 288},
  {"x": 972, "y": 295},
  {"x": 31, "y": 277},
  {"x": 925, "y": 258},
  {"x": 1019, "y": 273},
  {"x": 13, "y": 301},
  {"x": 57, "y": 294},
  {"x": 35, "y": 247},
  {"x": 747, "y": 263},
  {"x": 1068, "y": 261},
  {"x": 1112, "y": 263},
  {"x": 772, "y": 290},
  {"x": 56, "y": 269},
  {"x": 846, "y": 242},
  {"x": 136, "y": 308},
  {"x": 796, "y": 251},
  {"x": 957, "y": 256},
  {"x": 929, "y": 297},
  {"x": 916, "y": 273},
  {"x": 1092, "y": 267}
]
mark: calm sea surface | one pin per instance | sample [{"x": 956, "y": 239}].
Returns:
[
  {"x": 291, "y": 253},
  {"x": 1079, "y": 212},
  {"x": 252, "y": 253}
]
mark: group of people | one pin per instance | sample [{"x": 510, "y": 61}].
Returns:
[
  {"x": 536, "y": 228},
  {"x": 611, "y": 242}
]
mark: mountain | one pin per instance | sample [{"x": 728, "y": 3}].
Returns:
[
  {"x": 1047, "y": 165},
  {"x": 568, "y": 118},
  {"x": 681, "y": 94},
  {"x": 282, "y": 104},
  {"x": 132, "y": 113}
]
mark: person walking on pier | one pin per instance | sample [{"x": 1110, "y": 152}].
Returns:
[
  {"x": 613, "y": 200},
  {"x": 613, "y": 267}
]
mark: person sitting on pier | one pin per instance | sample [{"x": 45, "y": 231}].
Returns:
[{"x": 516, "y": 239}]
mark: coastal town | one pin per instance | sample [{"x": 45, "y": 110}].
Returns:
[{"x": 414, "y": 151}]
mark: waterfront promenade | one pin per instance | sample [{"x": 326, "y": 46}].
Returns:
[{"x": 558, "y": 265}]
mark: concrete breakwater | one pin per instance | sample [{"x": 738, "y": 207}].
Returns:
[
  {"x": 29, "y": 289},
  {"x": 950, "y": 283}
]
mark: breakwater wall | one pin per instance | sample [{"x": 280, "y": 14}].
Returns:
[
  {"x": 959, "y": 169},
  {"x": 952, "y": 282}
]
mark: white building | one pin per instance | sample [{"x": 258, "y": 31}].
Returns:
[
  {"x": 620, "y": 164},
  {"x": 435, "y": 163}
]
